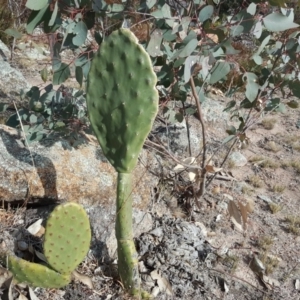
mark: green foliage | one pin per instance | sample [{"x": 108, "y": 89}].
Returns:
[
  {"x": 66, "y": 243},
  {"x": 241, "y": 46},
  {"x": 50, "y": 112}
]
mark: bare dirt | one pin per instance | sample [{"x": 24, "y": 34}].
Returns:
[{"x": 259, "y": 261}]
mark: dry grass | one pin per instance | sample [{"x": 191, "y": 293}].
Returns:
[
  {"x": 268, "y": 123},
  {"x": 293, "y": 224},
  {"x": 246, "y": 190},
  {"x": 295, "y": 164},
  {"x": 265, "y": 242},
  {"x": 272, "y": 146},
  {"x": 274, "y": 207},
  {"x": 231, "y": 261},
  {"x": 256, "y": 158},
  {"x": 255, "y": 181},
  {"x": 278, "y": 188},
  {"x": 230, "y": 164},
  {"x": 269, "y": 163}
]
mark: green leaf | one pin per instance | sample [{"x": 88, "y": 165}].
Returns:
[
  {"x": 13, "y": 32},
  {"x": 293, "y": 104},
  {"x": 230, "y": 105},
  {"x": 228, "y": 139},
  {"x": 295, "y": 87},
  {"x": 44, "y": 74},
  {"x": 277, "y": 22},
  {"x": 54, "y": 14},
  {"x": 251, "y": 9},
  {"x": 81, "y": 33},
  {"x": 36, "y": 18},
  {"x": 62, "y": 74},
  {"x": 219, "y": 71},
  {"x": 263, "y": 45},
  {"x": 258, "y": 60},
  {"x": 280, "y": 3},
  {"x": 153, "y": 47},
  {"x": 13, "y": 121},
  {"x": 206, "y": 13},
  {"x": 3, "y": 107},
  {"x": 188, "y": 66},
  {"x": 79, "y": 75},
  {"x": 251, "y": 87},
  {"x": 189, "y": 48},
  {"x": 150, "y": 3},
  {"x": 231, "y": 130},
  {"x": 36, "y": 4},
  {"x": 33, "y": 119}
]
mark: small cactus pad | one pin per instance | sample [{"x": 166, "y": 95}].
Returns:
[
  {"x": 36, "y": 274},
  {"x": 67, "y": 237},
  {"x": 122, "y": 99}
]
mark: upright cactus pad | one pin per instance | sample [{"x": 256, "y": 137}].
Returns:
[
  {"x": 67, "y": 237},
  {"x": 122, "y": 99},
  {"x": 36, "y": 274}
]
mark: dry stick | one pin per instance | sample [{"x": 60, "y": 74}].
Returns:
[
  {"x": 186, "y": 118},
  {"x": 201, "y": 190},
  {"x": 238, "y": 278}
]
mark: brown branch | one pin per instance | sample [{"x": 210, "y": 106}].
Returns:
[{"x": 201, "y": 190}]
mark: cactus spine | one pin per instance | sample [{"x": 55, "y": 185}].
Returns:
[
  {"x": 66, "y": 243},
  {"x": 122, "y": 103}
]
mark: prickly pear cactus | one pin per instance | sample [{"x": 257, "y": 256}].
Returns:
[
  {"x": 36, "y": 274},
  {"x": 122, "y": 103},
  {"x": 66, "y": 242},
  {"x": 67, "y": 237},
  {"x": 122, "y": 99}
]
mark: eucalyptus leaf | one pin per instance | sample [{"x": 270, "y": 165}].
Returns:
[
  {"x": 154, "y": 45},
  {"x": 252, "y": 87},
  {"x": 79, "y": 75},
  {"x": 189, "y": 48},
  {"x": 219, "y": 71},
  {"x": 54, "y": 14},
  {"x": 293, "y": 104},
  {"x": 206, "y": 13},
  {"x": 277, "y": 22},
  {"x": 36, "y": 18},
  {"x": 44, "y": 74},
  {"x": 13, "y": 32},
  {"x": 80, "y": 31},
  {"x": 188, "y": 66},
  {"x": 36, "y": 4},
  {"x": 251, "y": 9},
  {"x": 62, "y": 74}
]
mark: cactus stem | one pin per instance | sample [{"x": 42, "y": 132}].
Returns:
[{"x": 127, "y": 255}]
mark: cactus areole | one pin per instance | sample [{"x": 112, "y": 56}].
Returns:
[{"x": 122, "y": 102}]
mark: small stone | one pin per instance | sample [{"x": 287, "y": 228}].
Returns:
[
  {"x": 23, "y": 246},
  {"x": 238, "y": 159}
]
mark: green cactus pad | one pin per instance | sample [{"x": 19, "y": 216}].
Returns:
[
  {"x": 67, "y": 237},
  {"x": 122, "y": 99},
  {"x": 36, "y": 274}
]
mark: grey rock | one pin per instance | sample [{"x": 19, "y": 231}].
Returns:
[
  {"x": 178, "y": 256},
  {"x": 264, "y": 198},
  {"x": 11, "y": 79},
  {"x": 54, "y": 170},
  {"x": 238, "y": 159}
]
